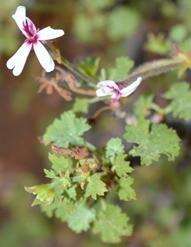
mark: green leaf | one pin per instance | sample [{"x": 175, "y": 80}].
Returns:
[
  {"x": 96, "y": 187},
  {"x": 126, "y": 192},
  {"x": 114, "y": 147},
  {"x": 89, "y": 31},
  {"x": 89, "y": 66},
  {"x": 43, "y": 192},
  {"x": 122, "y": 67},
  {"x": 112, "y": 224},
  {"x": 153, "y": 141},
  {"x": 158, "y": 44},
  {"x": 100, "y": 4},
  {"x": 50, "y": 174},
  {"x": 121, "y": 166},
  {"x": 66, "y": 130},
  {"x": 122, "y": 22},
  {"x": 72, "y": 193},
  {"x": 81, "y": 218},
  {"x": 64, "y": 209},
  {"x": 178, "y": 33},
  {"x": 60, "y": 163},
  {"x": 143, "y": 105},
  {"x": 180, "y": 96},
  {"x": 81, "y": 105}
]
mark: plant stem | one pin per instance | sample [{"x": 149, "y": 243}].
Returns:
[{"x": 154, "y": 68}]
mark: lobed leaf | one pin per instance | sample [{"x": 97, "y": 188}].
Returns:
[
  {"x": 121, "y": 166},
  {"x": 114, "y": 147},
  {"x": 153, "y": 141},
  {"x": 126, "y": 192},
  {"x": 67, "y": 130},
  {"x": 81, "y": 218},
  {"x": 96, "y": 187},
  {"x": 112, "y": 224},
  {"x": 60, "y": 163},
  {"x": 180, "y": 96}
]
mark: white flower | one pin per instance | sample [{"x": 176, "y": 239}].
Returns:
[
  {"x": 110, "y": 88},
  {"x": 34, "y": 40}
]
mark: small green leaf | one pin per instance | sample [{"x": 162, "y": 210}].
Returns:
[
  {"x": 121, "y": 69},
  {"x": 60, "y": 163},
  {"x": 158, "y": 44},
  {"x": 50, "y": 174},
  {"x": 81, "y": 105},
  {"x": 66, "y": 130},
  {"x": 121, "y": 166},
  {"x": 126, "y": 192},
  {"x": 81, "y": 218},
  {"x": 180, "y": 96},
  {"x": 64, "y": 209},
  {"x": 112, "y": 224},
  {"x": 114, "y": 147},
  {"x": 89, "y": 66},
  {"x": 72, "y": 192},
  {"x": 96, "y": 187},
  {"x": 122, "y": 22},
  {"x": 43, "y": 192},
  {"x": 153, "y": 141},
  {"x": 178, "y": 33},
  {"x": 143, "y": 105}
]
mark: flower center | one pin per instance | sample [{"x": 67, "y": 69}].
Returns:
[{"x": 30, "y": 30}]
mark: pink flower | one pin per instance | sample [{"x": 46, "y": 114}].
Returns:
[
  {"x": 112, "y": 89},
  {"x": 34, "y": 40}
]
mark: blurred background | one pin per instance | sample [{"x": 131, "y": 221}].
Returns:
[{"x": 143, "y": 30}]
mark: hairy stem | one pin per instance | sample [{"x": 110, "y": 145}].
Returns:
[{"x": 154, "y": 68}]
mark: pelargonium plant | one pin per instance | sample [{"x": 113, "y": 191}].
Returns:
[{"x": 87, "y": 185}]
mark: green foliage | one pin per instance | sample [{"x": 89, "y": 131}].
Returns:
[
  {"x": 81, "y": 105},
  {"x": 143, "y": 105},
  {"x": 119, "y": 72},
  {"x": 178, "y": 33},
  {"x": 126, "y": 192},
  {"x": 112, "y": 224},
  {"x": 43, "y": 193},
  {"x": 121, "y": 166},
  {"x": 153, "y": 141},
  {"x": 158, "y": 44},
  {"x": 122, "y": 22},
  {"x": 122, "y": 67},
  {"x": 64, "y": 209},
  {"x": 113, "y": 148},
  {"x": 89, "y": 66},
  {"x": 99, "y": 4},
  {"x": 81, "y": 218},
  {"x": 112, "y": 24},
  {"x": 95, "y": 186},
  {"x": 67, "y": 130},
  {"x": 60, "y": 163},
  {"x": 180, "y": 96}
]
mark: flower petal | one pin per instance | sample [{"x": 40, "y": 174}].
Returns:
[
  {"x": 106, "y": 88},
  {"x": 107, "y": 83},
  {"x": 18, "y": 60},
  {"x": 23, "y": 22},
  {"x": 44, "y": 57},
  {"x": 49, "y": 33},
  {"x": 131, "y": 88}
]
